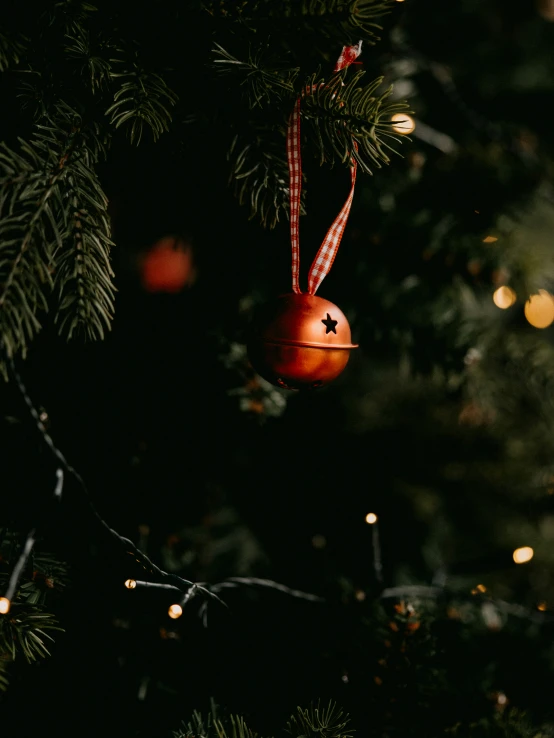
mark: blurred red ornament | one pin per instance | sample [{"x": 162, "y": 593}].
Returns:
[
  {"x": 300, "y": 341},
  {"x": 168, "y": 266}
]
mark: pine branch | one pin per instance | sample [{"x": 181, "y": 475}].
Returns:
[
  {"x": 341, "y": 19},
  {"x": 11, "y": 48},
  {"x": 259, "y": 174},
  {"x": 45, "y": 575},
  {"x": 23, "y": 631},
  {"x": 3, "y": 675},
  {"x": 198, "y": 726},
  {"x": 341, "y": 114},
  {"x": 143, "y": 100},
  {"x": 92, "y": 55},
  {"x": 340, "y": 117},
  {"x": 320, "y": 722},
  {"x": 27, "y": 227},
  {"x": 41, "y": 189},
  {"x": 236, "y": 729},
  {"x": 213, "y": 727},
  {"x": 263, "y": 80},
  {"x": 82, "y": 265}
]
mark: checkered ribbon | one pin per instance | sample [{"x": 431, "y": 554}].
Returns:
[{"x": 328, "y": 250}]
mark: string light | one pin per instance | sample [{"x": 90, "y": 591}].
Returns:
[
  {"x": 479, "y": 588},
  {"x": 504, "y": 297},
  {"x": 5, "y": 605},
  {"x": 360, "y": 595},
  {"x": 490, "y": 239},
  {"x": 130, "y": 583},
  {"x": 523, "y": 555},
  {"x": 371, "y": 518},
  {"x": 539, "y": 309},
  {"x": 175, "y": 611},
  {"x": 402, "y": 123},
  {"x": 541, "y": 606}
]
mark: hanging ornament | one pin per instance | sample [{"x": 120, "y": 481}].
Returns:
[
  {"x": 301, "y": 341},
  {"x": 168, "y": 266}
]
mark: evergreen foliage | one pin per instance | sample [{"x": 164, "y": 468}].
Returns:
[
  {"x": 27, "y": 630},
  {"x": 53, "y": 221}
]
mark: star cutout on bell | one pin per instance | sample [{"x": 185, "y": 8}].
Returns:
[{"x": 330, "y": 324}]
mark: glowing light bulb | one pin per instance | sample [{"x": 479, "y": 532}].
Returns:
[
  {"x": 539, "y": 309},
  {"x": 504, "y": 297},
  {"x": 481, "y": 588},
  {"x": 175, "y": 611},
  {"x": 402, "y": 123},
  {"x": 360, "y": 595},
  {"x": 130, "y": 583},
  {"x": 541, "y": 606},
  {"x": 490, "y": 239},
  {"x": 5, "y": 605},
  {"x": 371, "y": 518},
  {"x": 523, "y": 555}
]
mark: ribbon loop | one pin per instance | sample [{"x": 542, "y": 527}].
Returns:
[{"x": 328, "y": 250}]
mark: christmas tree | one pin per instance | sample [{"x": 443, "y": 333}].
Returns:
[{"x": 188, "y": 548}]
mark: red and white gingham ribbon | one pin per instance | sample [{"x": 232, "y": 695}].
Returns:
[
  {"x": 328, "y": 250},
  {"x": 295, "y": 188}
]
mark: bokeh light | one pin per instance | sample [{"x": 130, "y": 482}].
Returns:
[
  {"x": 4, "y": 605},
  {"x": 371, "y": 518},
  {"x": 523, "y": 555},
  {"x": 402, "y": 123},
  {"x": 175, "y": 611},
  {"x": 130, "y": 583},
  {"x": 504, "y": 297},
  {"x": 539, "y": 309}
]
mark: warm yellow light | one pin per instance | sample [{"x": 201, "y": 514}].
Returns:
[
  {"x": 523, "y": 555},
  {"x": 504, "y": 297},
  {"x": 541, "y": 606},
  {"x": 371, "y": 518},
  {"x": 490, "y": 239},
  {"x": 5, "y": 605},
  {"x": 539, "y": 309},
  {"x": 481, "y": 588},
  {"x": 175, "y": 611},
  {"x": 402, "y": 123},
  {"x": 360, "y": 595},
  {"x": 130, "y": 583}
]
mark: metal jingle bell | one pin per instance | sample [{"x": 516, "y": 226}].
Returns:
[{"x": 300, "y": 341}]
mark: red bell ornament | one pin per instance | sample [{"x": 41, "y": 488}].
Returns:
[{"x": 300, "y": 341}]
